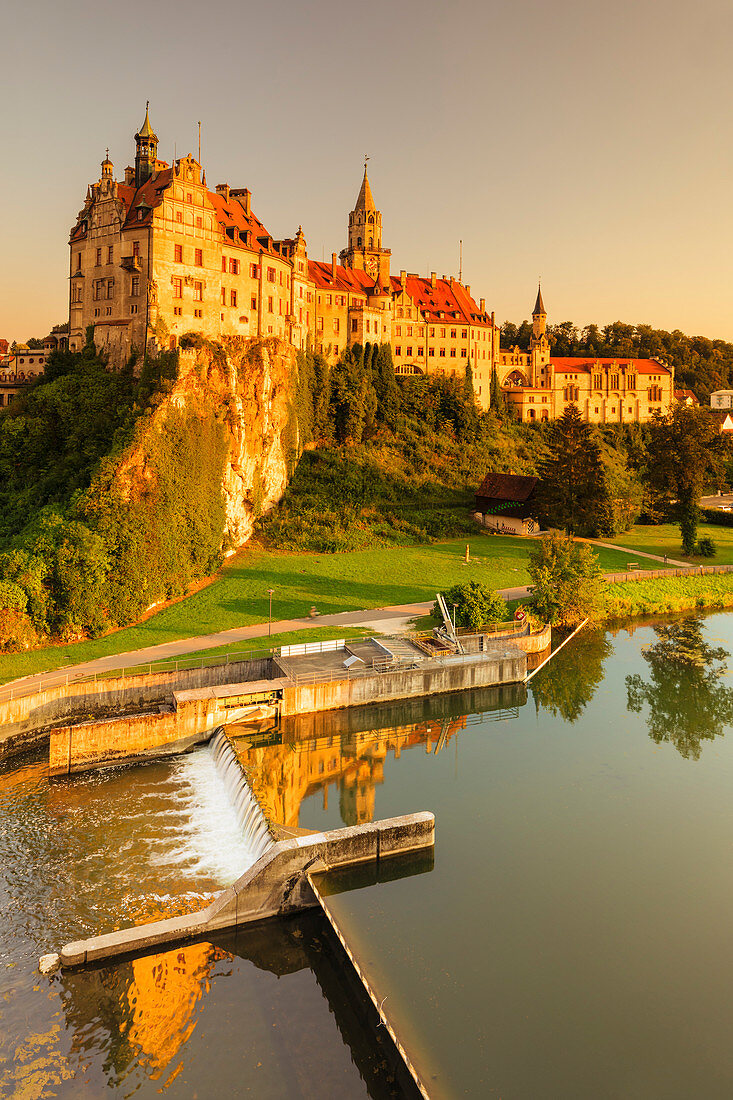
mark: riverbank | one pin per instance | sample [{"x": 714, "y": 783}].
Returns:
[{"x": 692, "y": 592}]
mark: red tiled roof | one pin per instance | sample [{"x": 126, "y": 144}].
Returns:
[
  {"x": 683, "y": 395},
  {"x": 507, "y": 487},
  {"x": 450, "y": 299},
  {"x": 348, "y": 279},
  {"x": 579, "y": 365}
]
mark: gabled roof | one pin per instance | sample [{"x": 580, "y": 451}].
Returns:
[
  {"x": 348, "y": 279},
  {"x": 451, "y": 299},
  {"x": 365, "y": 200},
  {"x": 579, "y": 365},
  {"x": 513, "y": 487}
]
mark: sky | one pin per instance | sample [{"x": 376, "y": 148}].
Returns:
[{"x": 585, "y": 142}]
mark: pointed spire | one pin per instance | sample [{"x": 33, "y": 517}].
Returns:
[
  {"x": 146, "y": 130},
  {"x": 539, "y": 306},
  {"x": 365, "y": 200}
]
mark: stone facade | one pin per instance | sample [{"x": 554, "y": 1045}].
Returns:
[
  {"x": 538, "y": 386},
  {"x": 160, "y": 255}
]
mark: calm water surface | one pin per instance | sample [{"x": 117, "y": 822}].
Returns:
[{"x": 572, "y": 938}]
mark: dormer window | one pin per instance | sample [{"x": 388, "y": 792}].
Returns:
[{"x": 140, "y": 215}]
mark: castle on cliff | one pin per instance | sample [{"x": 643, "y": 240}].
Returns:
[{"x": 160, "y": 255}]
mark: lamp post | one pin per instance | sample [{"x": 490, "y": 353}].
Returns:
[
  {"x": 269, "y": 625},
  {"x": 455, "y": 605}
]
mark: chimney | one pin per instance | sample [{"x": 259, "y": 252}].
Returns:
[
  {"x": 403, "y": 279},
  {"x": 468, "y": 288},
  {"x": 493, "y": 322},
  {"x": 482, "y": 305},
  {"x": 246, "y": 200},
  {"x": 452, "y": 280},
  {"x": 223, "y": 190},
  {"x": 433, "y": 279},
  {"x": 333, "y": 264}
]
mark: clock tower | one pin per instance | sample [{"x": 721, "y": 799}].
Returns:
[{"x": 364, "y": 250}]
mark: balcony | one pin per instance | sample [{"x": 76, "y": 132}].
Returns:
[{"x": 131, "y": 263}]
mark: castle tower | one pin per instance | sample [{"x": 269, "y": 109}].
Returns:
[
  {"x": 364, "y": 250},
  {"x": 539, "y": 345},
  {"x": 146, "y": 154}
]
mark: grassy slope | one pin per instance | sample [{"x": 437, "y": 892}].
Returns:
[
  {"x": 673, "y": 594},
  {"x": 333, "y": 582},
  {"x": 665, "y": 539}
]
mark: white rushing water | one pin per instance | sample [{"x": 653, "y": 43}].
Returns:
[{"x": 219, "y": 827}]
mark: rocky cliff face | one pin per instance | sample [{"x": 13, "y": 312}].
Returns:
[{"x": 245, "y": 385}]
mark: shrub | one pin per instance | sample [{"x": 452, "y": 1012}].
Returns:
[
  {"x": 475, "y": 605},
  {"x": 706, "y": 547}
]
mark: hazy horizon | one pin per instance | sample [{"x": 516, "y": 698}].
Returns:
[{"x": 573, "y": 141}]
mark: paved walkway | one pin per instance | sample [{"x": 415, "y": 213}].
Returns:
[
  {"x": 633, "y": 554},
  {"x": 380, "y": 619}
]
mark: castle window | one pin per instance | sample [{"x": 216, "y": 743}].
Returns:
[
  {"x": 140, "y": 215},
  {"x": 177, "y": 287},
  {"x": 328, "y": 299},
  {"x": 409, "y": 330},
  {"x": 199, "y": 223},
  {"x": 371, "y": 242},
  {"x": 432, "y": 332},
  {"x": 398, "y": 350},
  {"x": 136, "y": 250},
  {"x": 233, "y": 266},
  {"x": 597, "y": 382},
  {"x": 253, "y": 303},
  {"x": 419, "y": 353},
  {"x": 223, "y": 295},
  {"x": 442, "y": 353},
  {"x": 398, "y": 330},
  {"x": 452, "y": 353},
  {"x": 189, "y": 197},
  {"x": 431, "y": 351},
  {"x": 179, "y": 216},
  {"x": 199, "y": 258},
  {"x": 442, "y": 333},
  {"x": 198, "y": 313},
  {"x": 368, "y": 326},
  {"x": 253, "y": 271},
  {"x": 354, "y": 325},
  {"x": 465, "y": 334},
  {"x": 336, "y": 326},
  {"x": 614, "y": 381},
  {"x": 269, "y": 305},
  {"x": 198, "y": 292},
  {"x": 319, "y": 324},
  {"x": 271, "y": 274},
  {"x": 400, "y": 312},
  {"x": 409, "y": 353},
  {"x": 134, "y": 286},
  {"x": 178, "y": 253},
  {"x": 110, "y": 254},
  {"x": 99, "y": 258},
  {"x": 631, "y": 382},
  {"x": 133, "y": 309},
  {"x": 358, "y": 242},
  {"x": 177, "y": 311},
  {"x": 223, "y": 264}
]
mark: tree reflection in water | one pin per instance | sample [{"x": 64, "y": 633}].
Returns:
[
  {"x": 687, "y": 702},
  {"x": 569, "y": 681}
]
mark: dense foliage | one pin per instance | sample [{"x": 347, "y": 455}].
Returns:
[
  {"x": 77, "y": 555},
  {"x": 700, "y": 364},
  {"x": 567, "y": 580},
  {"x": 472, "y": 605},
  {"x": 389, "y": 461}
]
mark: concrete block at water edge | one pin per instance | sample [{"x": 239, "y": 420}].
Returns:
[
  {"x": 74, "y": 954},
  {"x": 406, "y": 834},
  {"x": 354, "y": 844},
  {"x": 143, "y": 936}
]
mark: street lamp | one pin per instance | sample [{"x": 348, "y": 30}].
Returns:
[{"x": 269, "y": 625}]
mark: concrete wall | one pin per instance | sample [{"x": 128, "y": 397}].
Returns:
[
  {"x": 27, "y": 720},
  {"x": 277, "y": 884},
  {"x": 433, "y": 677}
]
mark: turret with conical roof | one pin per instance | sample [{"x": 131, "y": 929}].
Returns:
[
  {"x": 146, "y": 141},
  {"x": 539, "y": 345},
  {"x": 364, "y": 250}
]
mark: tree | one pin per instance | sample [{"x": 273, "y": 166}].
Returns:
[
  {"x": 496, "y": 399},
  {"x": 685, "y": 452},
  {"x": 573, "y": 493},
  {"x": 385, "y": 385},
  {"x": 567, "y": 580},
  {"x": 476, "y": 605},
  {"x": 687, "y": 701}
]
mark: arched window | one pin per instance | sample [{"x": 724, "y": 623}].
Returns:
[
  {"x": 358, "y": 242},
  {"x": 371, "y": 242}
]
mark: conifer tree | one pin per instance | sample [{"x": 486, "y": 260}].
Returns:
[
  {"x": 573, "y": 493},
  {"x": 496, "y": 396},
  {"x": 385, "y": 385}
]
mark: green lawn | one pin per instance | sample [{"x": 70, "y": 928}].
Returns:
[
  {"x": 665, "y": 539},
  {"x": 331, "y": 582}
]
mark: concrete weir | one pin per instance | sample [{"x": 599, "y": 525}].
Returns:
[{"x": 278, "y": 883}]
